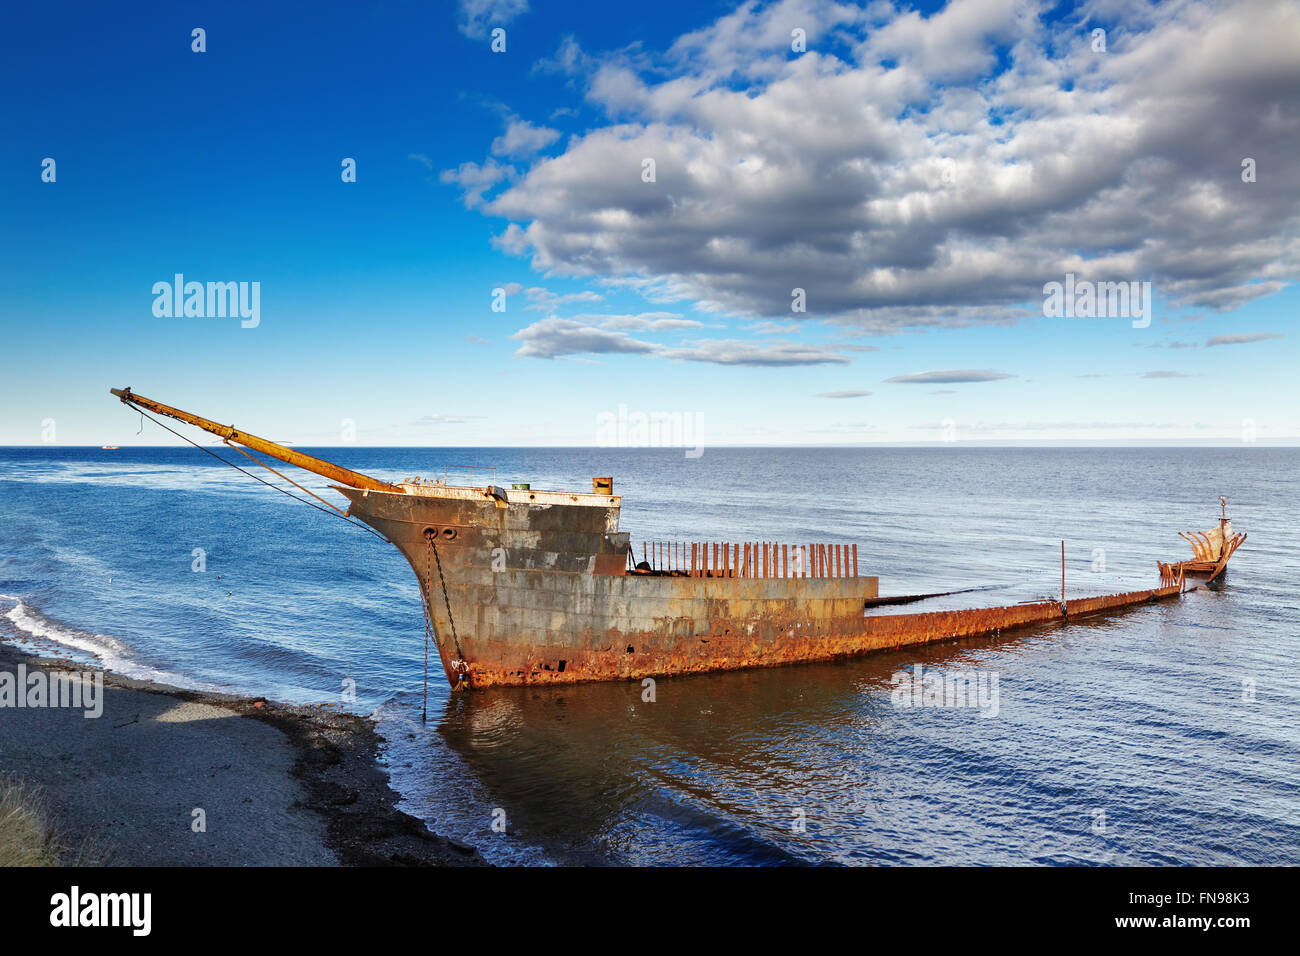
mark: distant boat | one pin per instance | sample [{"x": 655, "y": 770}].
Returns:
[{"x": 110, "y": 447}]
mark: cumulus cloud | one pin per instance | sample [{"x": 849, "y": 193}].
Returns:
[
  {"x": 848, "y": 393},
  {"x": 475, "y": 179},
  {"x": 568, "y": 59},
  {"x": 1241, "y": 338},
  {"x": 477, "y": 17},
  {"x": 522, "y": 138},
  {"x": 913, "y": 171},
  {"x": 949, "y": 376}
]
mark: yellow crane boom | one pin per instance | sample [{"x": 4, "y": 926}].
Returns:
[{"x": 229, "y": 433}]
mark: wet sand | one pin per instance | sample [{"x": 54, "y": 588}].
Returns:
[{"x": 277, "y": 785}]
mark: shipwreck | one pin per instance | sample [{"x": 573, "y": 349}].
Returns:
[{"x": 526, "y": 586}]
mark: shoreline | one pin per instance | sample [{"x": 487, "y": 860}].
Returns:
[{"x": 278, "y": 784}]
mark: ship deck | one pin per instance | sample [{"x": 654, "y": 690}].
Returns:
[{"x": 531, "y": 496}]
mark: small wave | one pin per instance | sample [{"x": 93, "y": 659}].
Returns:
[
  {"x": 35, "y": 624},
  {"x": 108, "y": 652}
]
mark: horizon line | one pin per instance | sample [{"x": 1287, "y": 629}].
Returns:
[{"x": 1289, "y": 442}]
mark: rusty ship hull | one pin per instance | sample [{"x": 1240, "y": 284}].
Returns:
[
  {"x": 536, "y": 589},
  {"x": 542, "y": 587}
]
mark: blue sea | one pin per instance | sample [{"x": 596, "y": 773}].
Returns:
[{"x": 1163, "y": 735}]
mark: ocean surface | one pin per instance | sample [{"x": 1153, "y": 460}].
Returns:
[{"x": 1163, "y": 735}]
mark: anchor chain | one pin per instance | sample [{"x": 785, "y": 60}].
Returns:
[{"x": 458, "y": 665}]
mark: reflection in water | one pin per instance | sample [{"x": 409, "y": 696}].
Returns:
[{"x": 811, "y": 763}]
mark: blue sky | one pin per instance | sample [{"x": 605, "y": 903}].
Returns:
[{"x": 822, "y": 169}]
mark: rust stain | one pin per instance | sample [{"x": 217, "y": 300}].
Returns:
[
  {"x": 567, "y": 610},
  {"x": 777, "y": 639}
]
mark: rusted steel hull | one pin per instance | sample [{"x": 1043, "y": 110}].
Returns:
[
  {"x": 539, "y": 593},
  {"x": 539, "y": 587}
]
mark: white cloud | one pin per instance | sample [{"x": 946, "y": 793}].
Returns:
[
  {"x": 475, "y": 179},
  {"x": 544, "y": 300},
  {"x": 522, "y": 138},
  {"x": 1242, "y": 338},
  {"x": 477, "y": 17},
  {"x": 949, "y": 376},
  {"x": 738, "y": 352},
  {"x": 555, "y": 337},
  {"x": 642, "y": 322},
  {"x": 861, "y": 172}
]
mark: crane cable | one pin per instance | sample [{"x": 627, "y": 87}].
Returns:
[{"x": 336, "y": 513}]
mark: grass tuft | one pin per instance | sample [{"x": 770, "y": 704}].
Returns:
[{"x": 26, "y": 836}]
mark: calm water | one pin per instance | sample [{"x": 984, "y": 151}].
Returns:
[{"x": 1138, "y": 722}]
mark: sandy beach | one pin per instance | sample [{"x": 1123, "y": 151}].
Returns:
[{"x": 271, "y": 784}]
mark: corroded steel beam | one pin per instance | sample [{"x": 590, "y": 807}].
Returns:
[{"x": 229, "y": 433}]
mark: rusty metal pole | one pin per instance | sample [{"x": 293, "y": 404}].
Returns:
[
  {"x": 1062, "y": 572},
  {"x": 325, "y": 469}
]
